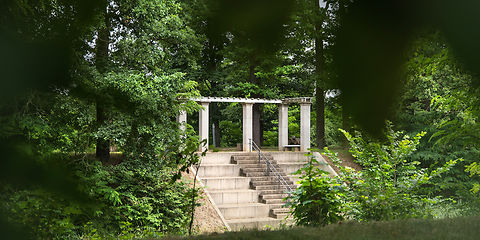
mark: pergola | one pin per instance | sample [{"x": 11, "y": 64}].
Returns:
[{"x": 305, "y": 103}]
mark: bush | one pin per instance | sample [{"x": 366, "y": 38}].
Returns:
[
  {"x": 318, "y": 200},
  {"x": 135, "y": 196},
  {"x": 129, "y": 199},
  {"x": 388, "y": 187}
]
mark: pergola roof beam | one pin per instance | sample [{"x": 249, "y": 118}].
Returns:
[{"x": 253, "y": 100}]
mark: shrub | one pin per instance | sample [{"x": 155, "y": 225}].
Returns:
[
  {"x": 318, "y": 200},
  {"x": 388, "y": 187},
  {"x": 131, "y": 198}
]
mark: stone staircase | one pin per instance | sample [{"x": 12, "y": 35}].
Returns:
[
  {"x": 271, "y": 191},
  {"x": 243, "y": 193}
]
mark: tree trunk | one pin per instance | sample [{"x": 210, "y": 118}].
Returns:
[
  {"x": 213, "y": 58},
  {"x": 216, "y": 123},
  {"x": 262, "y": 124},
  {"x": 257, "y": 108},
  {"x": 257, "y": 128},
  {"x": 101, "y": 60},
  {"x": 320, "y": 121},
  {"x": 319, "y": 75}
]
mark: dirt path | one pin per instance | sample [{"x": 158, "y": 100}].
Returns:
[{"x": 206, "y": 219}]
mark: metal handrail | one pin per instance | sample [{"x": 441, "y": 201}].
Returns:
[{"x": 270, "y": 166}]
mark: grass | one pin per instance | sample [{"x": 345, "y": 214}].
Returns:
[{"x": 412, "y": 229}]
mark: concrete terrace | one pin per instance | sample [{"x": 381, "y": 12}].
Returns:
[
  {"x": 241, "y": 192},
  {"x": 247, "y": 190}
]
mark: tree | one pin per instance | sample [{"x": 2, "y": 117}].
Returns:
[
  {"x": 102, "y": 45},
  {"x": 319, "y": 72},
  {"x": 236, "y": 55},
  {"x": 313, "y": 26},
  {"x": 50, "y": 186}
]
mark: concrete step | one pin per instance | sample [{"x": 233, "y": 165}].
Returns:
[
  {"x": 254, "y": 223},
  {"x": 259, "y": 174},
  {"x": 280, "y": 210},
  {"x": 270, "y": 187},
  {"x": 245, "y": 210},
  {"x": 261, "y": 168},
  {"x": 257, "y": 165},
  {"x": 237, "y": 196},
  {"x": 273, "y": 201},
  {"x": 242, "y": 162},
  {"x": 237, "y": 160},
  {"x": 277, "y": 206},
  {"x": 217, "y": 183},
  {"x": 252, "y": 161},
  {"x": 245, "y": 154},
  {"x": 219, "y": 170},
  {"x": 253, "y": 165},
  {"x": 264, "y": 178},
  {"x": 250, "y": 157},
  {"x": 278, "y": 191},
  {"x": 262, "y": 183},
  {"x": 245, "y": 170},
  {"x": 217, "y": 158},
  {"x": 273, "y": 196},
  {"x": 281, "y": 215}
]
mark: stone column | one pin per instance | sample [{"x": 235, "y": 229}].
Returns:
[
  {"x": 182, "y": 119},
  {"x": 304, "y": 126},
  {"x": 282, "y": 126},
  {"x": 203, "y": 125},
  {"x": 247, "y": 126}
]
